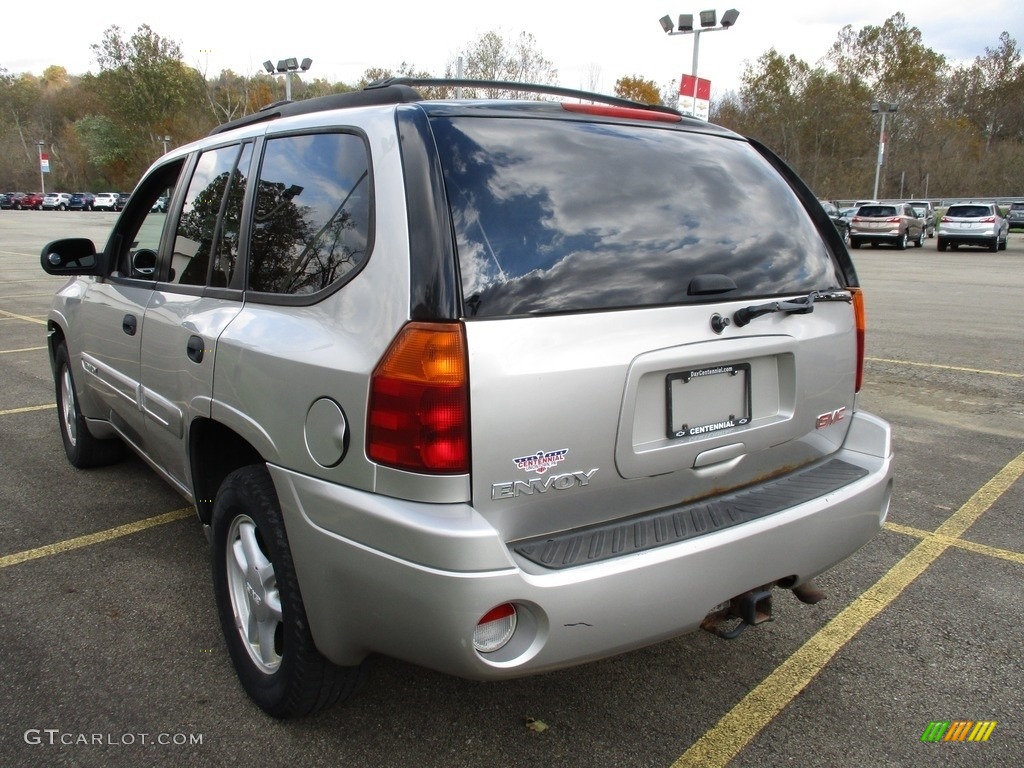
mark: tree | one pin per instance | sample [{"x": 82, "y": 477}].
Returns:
[
  {"x": 509, "y": 59},
  {"x": 637, "y": 89},
  {"x": 147, "y": 91}
]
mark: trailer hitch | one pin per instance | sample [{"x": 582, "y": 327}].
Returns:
[{"x": 728, "y": 620}]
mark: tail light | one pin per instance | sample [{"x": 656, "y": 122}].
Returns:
[
  {"x": 861, "y": 320},
  {"x": 418, "y": 418},
  {"x": 893, "y": 220}
]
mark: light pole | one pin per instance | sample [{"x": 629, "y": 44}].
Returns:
[
  {"x": 708, "y": 23},
  {"x": 42, "y": 180},
  {"x": 164, "y": 139},
  {"x": 884, "y": 108},
  {"x": 286, "y": 67}
]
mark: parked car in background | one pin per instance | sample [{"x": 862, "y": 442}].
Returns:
[
  {"x": 886, "y": 224},
  {"x": 81, "y": 201},
  {"x": 1015, "y": 215},
  {"x": 482, "y": 404},
  {"x": 978, "y": 224},
  {"x": 160, "y": 206},
  {"x": 105, "y": 201},
  {"x": 33, "y": 201},
  {"x": 832, "y": 211},
  {"x": 57, "y": 201},
  {"x": 122, "y": 200},
  {"x": 11, "y": 200},
  {"x": 924, "y": 209}
]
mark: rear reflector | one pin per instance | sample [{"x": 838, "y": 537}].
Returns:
[
  {"x": 418, "y": 419},
  {"x": 861, "y": 319},
  {"x": 495, "y": 628}
]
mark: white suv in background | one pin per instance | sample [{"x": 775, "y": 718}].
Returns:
[{"x": 105, "y": 201}]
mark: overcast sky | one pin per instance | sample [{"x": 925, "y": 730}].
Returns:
[{"x": 585, "y": 44}]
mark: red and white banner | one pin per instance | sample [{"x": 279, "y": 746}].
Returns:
[{"x": 695, "y": 96}]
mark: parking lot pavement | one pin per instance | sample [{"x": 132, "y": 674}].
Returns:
[{"x": 114, "y": 654}]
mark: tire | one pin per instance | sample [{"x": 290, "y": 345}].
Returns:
[
  {"x": 940, "y": 244},
  {"x": 919, "y": 243},
  {"x": 901, "y": 244},
  {"x": 1003, "y": 242},
  {"x": 260, "y": 606},
  {"x": 82, "y": 449},
  {"x": 854, "y": 243},
  {"x": 994, "y": 245}
]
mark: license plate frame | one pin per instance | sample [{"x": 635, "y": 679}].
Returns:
[{"x": 724, "y": 390}]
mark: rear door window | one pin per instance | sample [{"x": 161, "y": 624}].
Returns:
[{"x": 562, "y": 216}]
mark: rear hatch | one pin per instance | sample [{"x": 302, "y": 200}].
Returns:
[{"x": 603, "y": 265}]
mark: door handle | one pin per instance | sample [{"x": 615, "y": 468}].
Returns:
[
  {"x": 195, "y": 349},
  {"x": 129, "y": 324}
]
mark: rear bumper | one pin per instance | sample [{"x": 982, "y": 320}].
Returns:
[{"x": 419, "y": 596}]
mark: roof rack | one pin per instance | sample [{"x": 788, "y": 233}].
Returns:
[
  {"x": 402, "y": 90},
  {"x": 504, "y": 85}
]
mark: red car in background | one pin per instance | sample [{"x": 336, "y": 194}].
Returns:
[{"x": 33, "y": 200}]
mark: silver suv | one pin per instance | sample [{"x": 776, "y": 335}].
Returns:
[
  {"x": 494, "y": 387},
  {"x": 973, "y": 224}
]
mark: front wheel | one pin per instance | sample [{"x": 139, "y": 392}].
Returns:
[
  {"x": 82, "y": 449},
  {"x": 260, "y": 606}
]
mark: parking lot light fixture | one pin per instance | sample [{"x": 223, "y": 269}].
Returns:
[
  {"x": 883, "y": 108},
  {"x": 708, "y": 23},
  {"x": 286, "y": 67}
]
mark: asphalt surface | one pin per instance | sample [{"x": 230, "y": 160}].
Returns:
[{"x": 113, "y": 654}]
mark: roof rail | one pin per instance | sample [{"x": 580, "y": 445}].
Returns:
[
  {"x": 398, "y": 94},
  {"x": 402, "y": 90},
  {"x": 550, "y": 90}
]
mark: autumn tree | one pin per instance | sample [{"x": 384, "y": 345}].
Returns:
[{"x": 636, "y": 88}]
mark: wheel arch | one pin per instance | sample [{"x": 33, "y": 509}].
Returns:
[{"x": 215, "y": 451}]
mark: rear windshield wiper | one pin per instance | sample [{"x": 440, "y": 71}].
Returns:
[{"x": 799, "y": 306}]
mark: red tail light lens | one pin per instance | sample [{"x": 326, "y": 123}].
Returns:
[
  {"x": 418, "y": 418},
  {"x": 861, "y": 319}
]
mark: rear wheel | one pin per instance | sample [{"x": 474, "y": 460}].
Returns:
[
  {"x": 901, "y": 244},
  {"x": 82, "y": 449},
  {"x": 919, "y": 243},
  {"x": 260, "y": 606},
  {"x": 941, "y": 244},
  {"x": 994, "y": 245},
  {"x": 854, "y": 243}
]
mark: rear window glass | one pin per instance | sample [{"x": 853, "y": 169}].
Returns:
[
  {"x": 877, "y": 210},
  {"x": 560, "y": 216},
  {"x": 969, "y": 211}
]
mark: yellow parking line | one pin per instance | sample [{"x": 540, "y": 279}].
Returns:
[
  {"x": 759, "y": 707},
  {"x": 13, "y": 316},
  {"x": 970, "y": 546},
  {"x": 947, "y": 367},
  {"x": 23, "y": 349},
  {"x": 28, "y": 409},
  {"x": 94, "y": 538}
]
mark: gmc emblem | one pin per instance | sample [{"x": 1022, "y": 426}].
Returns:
[{"x": 830, "y": 418}]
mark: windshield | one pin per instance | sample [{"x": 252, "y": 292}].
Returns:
[{"x": 569, "y": 215}]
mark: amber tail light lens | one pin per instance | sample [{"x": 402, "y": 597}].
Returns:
[
  {"x": 861, "y": 320},
  {"x": 418, "y": 419}
]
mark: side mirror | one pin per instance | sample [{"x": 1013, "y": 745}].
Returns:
[{"x": 72, "y": 256}]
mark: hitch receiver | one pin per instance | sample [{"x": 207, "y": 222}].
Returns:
[{"x": 751, "y": 608}]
